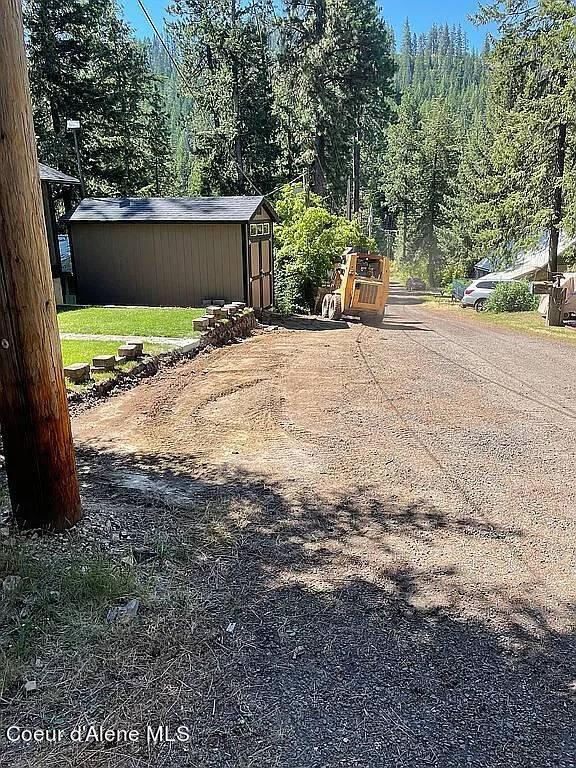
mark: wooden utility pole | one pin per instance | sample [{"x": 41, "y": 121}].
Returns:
[
  {"x": 556, "y": 303},
  {"x": 36, "y": 430}
]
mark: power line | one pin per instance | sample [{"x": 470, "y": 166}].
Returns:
[
  {"x": 286, "y": 184},
  {"x": 187, "y": 83},
  {"x": 162, "y": 41}
]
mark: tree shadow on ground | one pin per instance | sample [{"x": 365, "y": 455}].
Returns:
[
  {"x": 402, "y": 296},
  {"x": 308, "y": 323},
  {"x": 295, "y": 643}
]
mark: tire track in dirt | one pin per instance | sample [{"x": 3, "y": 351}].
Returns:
[{"x": 543, "y": 400}]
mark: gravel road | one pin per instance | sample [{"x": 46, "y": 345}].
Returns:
[{"x": 401, "y": 581}]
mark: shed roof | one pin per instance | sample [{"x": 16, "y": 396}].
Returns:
[
  {"x": 165, "y": 209},
  {"x": 54, "y": 176}
]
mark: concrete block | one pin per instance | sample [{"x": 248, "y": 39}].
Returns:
[
  {"x": 212, "y": 320},
  {"x": 219, "y": 302},
  {"x": 104, "y": 362},
  {"x": 231, "y": 309},
  {"x": 121, "y": 360},
  {"x": 78, "y": 373},
  {"x": 240, "y": 304},
  {"x": 201, "y": 324},
  {"x": 139, "y": 348},
  {"x": 212, "y": 310},
  {"x": 129, "y": 351}
]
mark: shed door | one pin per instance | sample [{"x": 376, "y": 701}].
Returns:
[{"x": 260, "y": 270}]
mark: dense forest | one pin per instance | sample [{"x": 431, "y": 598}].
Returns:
[{"x": 444, "y": 153}]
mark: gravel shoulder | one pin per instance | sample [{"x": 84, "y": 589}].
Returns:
[{"x": 378, "y": 526}]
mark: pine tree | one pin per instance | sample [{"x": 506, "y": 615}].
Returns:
[
  {"x": 440, "y": 64},
  {"x": 62, "y": 43},
  {"x": 334, "y": 79},
  {"x": 533, "y": 82},
  {"x": 85, "y": 64},
  {"x": 507, "y": 189},
  {"x": 406, "y": 59},
  {"x": 224, "y": 46},
  {"x": 403, "y": 173}
]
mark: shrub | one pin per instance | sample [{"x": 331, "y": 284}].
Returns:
[
  {"x": 310, "y": 239},
  {"x": 512, "y": 296}
]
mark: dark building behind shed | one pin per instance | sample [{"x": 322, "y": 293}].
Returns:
[{"x": 54, "y": 184}]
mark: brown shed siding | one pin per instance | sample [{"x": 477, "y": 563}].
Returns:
[{"x": 157, "y": 264}]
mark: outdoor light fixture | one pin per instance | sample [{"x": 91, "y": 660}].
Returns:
[{"x": 73, "y": 126}]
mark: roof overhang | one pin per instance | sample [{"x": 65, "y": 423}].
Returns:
[
  {"x": 269, "y": 208},
  {"x": 53, "y": 176},
  {"x": 191, "y": 210}
]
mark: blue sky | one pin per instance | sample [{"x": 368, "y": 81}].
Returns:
[{"x": 422, "y": 14}]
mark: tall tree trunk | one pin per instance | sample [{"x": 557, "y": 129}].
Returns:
[
  {"x": 556, "y": 303},
  {"x": 356, "y": 173},
  {"x": 318, "y": 175}
]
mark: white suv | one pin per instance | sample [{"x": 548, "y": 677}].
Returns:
[{"x": 478, "y": 293}]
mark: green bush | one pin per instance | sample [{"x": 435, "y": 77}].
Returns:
[
  {"x": 512, "y": 296},
  {"x": 309, "y": 240}
]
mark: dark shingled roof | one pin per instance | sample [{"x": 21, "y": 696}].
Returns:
[
  {"x": 194, "y": 209},
  {"x": 54, "y": 176}
]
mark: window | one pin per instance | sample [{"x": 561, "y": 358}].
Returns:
[
  {"x": 369, "y": 268},
  {"x": 260, "y": 230}
]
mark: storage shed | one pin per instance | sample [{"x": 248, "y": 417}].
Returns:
[{"x": 173, "y": 251}]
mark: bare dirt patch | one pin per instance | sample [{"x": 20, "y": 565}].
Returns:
[{"x": 359, "y": 551}]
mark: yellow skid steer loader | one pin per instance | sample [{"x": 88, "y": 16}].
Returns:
[{"x": 360, "y": 287}]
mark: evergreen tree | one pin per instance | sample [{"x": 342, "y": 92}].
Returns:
[
  {"x": 406, "y": 59},
  {"x": 533, "y": 83},
  {"x": 85, "y": 64},
  {"x": 224, "y": 46},
  {"x": 176, "y": 108},
  {"x": 440, "y": 64},
  {"x": 423, "y": 162},
  {"x": 507, "y": 190},
  {"x": 441, "y": 156},
  {"x": 403, "y": 173},
  {"x": 333, "y": 83}
]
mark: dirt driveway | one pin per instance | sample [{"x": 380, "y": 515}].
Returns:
[{"x": 391, "y": 580}]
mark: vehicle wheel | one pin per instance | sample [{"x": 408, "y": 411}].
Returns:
[
  {"x": 335, "y": 311},
  {"x": 480, "y": 305},
  {"x": 326, "y": 304}
]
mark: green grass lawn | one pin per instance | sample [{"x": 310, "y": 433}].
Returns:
[
  {"x": 84, "y": 351},
  {"x": 124, "y": 321},
  {"x": 527, "y": 322}
]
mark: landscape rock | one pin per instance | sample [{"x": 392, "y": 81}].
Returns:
[
  {"x": 11, "y": 584},
  {"x": 124, "y": 614}
]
